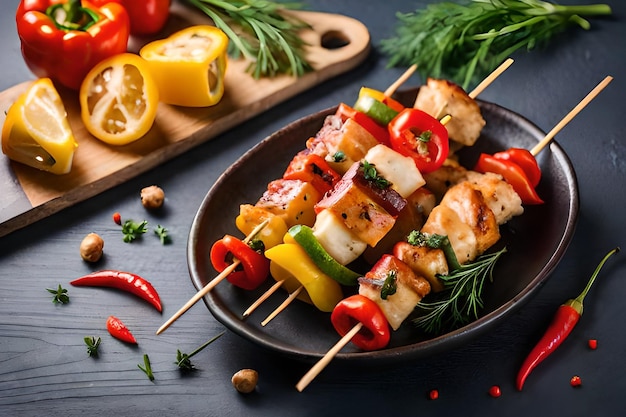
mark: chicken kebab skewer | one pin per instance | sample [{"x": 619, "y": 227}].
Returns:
[
  {"x": 382, "y": 156},
  {"x": 472, "y": 207}
]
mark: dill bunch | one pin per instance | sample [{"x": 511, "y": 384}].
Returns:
[{"x": 465, "y": 42}]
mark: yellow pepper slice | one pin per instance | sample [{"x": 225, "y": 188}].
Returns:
[
  {"x": 189, "y": 66},
  {"x": 324, "y": 291},
  {"x": 36, "y": 131},
  {"x": 290, "y": 283},
  {"x": 251, "y": 216}
]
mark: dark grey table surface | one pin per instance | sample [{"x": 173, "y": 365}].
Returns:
[{"x": 44, "y": 368}]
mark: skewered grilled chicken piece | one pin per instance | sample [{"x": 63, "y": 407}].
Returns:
[{"x": 441, "y": 97}]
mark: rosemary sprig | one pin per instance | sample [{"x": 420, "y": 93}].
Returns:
[
  {"x": 460, "y": 301},
  {"x": 465, "y": 42},
  {"x": 147, "y": 368},
  {"x": 260, "y": 32},
  {"x": 183, "y": 360}
]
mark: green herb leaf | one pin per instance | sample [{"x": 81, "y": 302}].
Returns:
[
  {"x": 92, "y": 345},
  {"x": 183, "y": 360},
  {"x": 60, "y": 295},
  {"x": 465, "y": 42},
  {"x": 133, "y": 230},
  {"x": 371, "y": 174},
  {"x": 460, "y": 301},
  {"x": 162, "y": 233},
  {"x": 339, "y": 156},
  {"x": 435, "y": 241},
  {"x": 147, "y": 369},
  {"x": 260, "y": 32},
  {"x": 390, "y": 285}
]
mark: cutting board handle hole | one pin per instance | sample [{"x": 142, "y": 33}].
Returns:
[{"x": 334, "y": 39}]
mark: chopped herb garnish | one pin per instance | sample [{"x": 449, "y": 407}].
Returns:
[
  {"x": 390, "y": 285},
  {"x": 147, "y": 369},
  {"x": 371, "y": 174},
  {"x": 132, "y": 230},
  {"x": 183, "y": 360},
  {"x": 92, "y": 345},
  {"x": 162, "y": 233},
  {"x": 257, "y": 245},
  {"x": 60, "y": 295},
  {"x": 435, "y": 241},
  {"x": 339, "y": 156}
]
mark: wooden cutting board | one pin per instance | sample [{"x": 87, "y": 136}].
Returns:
[{"x": 337, "y": 44}]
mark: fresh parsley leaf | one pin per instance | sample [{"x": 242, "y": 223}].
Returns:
[
  {"x": 92, "y": 345},
  {"x": 371, "y": 174},
  {"x": 132, "y": 230},
  {"x": 60, "y": 295},
  {"x": 162, "y": 233}
]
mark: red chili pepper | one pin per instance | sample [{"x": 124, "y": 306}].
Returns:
[
  {"x": 525, "y": 160},
  {"x": 255, "y": 266},
  {"x": 375, "y": 333},
  {"x": 381, "y": 133},
  {"x": 147, "y": 17},
  {"x": 575, "y": 381},
  {"x": 561, "y": 326},
  {"x": 64, "y": 39},
  {"x": 121, "y": 280},
  {"x": 119, "y": 330},
  {"x": 312, "y": 168},
  {"x": 512, "y": 173},
  {"x": 417, "y": 134},
  {"x": 117, "y": 218}
]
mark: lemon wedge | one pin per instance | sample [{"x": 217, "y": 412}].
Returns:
[{"x": 36, "y": 131}]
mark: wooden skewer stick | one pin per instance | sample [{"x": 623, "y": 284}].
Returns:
[
  {"x": 592, "y": 94},
  {"x": 208, "y": 287},
  {"x": 322, "y": 363},
  {"x": 490, "y": 78},
  {"x": 393, "y": 87},
  {"x": 283, "y": 306},
  {"x": 263, "y": 297}
]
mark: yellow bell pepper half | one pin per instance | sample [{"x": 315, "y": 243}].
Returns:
[
  {"x": 324, "y": 291},
  {"x": 189, "y": 66}
]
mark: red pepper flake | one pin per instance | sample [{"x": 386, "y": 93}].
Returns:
[
  {"x": 575, "y": 381},
  {"x": 494, "y": 391},
  {"x": 593, "y": 344},
  {"x": 433, "y": 394},
  {"x": 117, "y": 218}
]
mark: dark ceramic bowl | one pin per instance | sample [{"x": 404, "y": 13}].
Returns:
[{"x": 536, "y": 242}]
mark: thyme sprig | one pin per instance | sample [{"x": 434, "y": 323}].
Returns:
[
  {"x": 259, "y": 31},
  {"x": 465, "y": 42},
  {"x": 460, "y": 301}
]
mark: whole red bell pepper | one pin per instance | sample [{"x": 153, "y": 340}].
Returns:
[
  {"x": 147, "y": 17},
  {"x": 64, "y": 39},
  {"x": 255, "y": 266}
]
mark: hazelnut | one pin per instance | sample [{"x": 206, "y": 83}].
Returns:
[
  {"x": 152, "y": 197},
  {"x": 245, "y": 380},
  {"x": 91, "y": 247}
]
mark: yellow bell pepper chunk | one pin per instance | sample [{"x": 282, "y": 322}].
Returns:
[
  {"x": 290, "y": 283},
  {"x": 189, "y": 66},
  {"x": 324, "y": 291},
  {"x": 36, "y": 131},
  {"x": 251, "y": 216}
]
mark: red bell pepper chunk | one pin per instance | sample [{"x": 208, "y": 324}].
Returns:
[
  {"x": 381, "y": 133},
  {"x": 63, "y": 40},
  {"x": 525, "y": 160},
  {"x": 375, "y": 333},
  {"x": 512, "y": 173},
  {"x": 119, "y": 330},
  {"x": 255, "y": 266},
  {"x": 417, "y": 134},
  {"x": 312, "y": 168}
]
